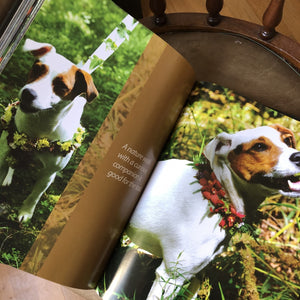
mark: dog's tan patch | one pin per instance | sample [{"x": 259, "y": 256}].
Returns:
[
  {"x": 72, "y": 83},
  {"x": 64, "y": 82},
  {"x": 38, "y": 71},
  {"x": 286, "y": 135},
  {"x": 256, "y": 157}
]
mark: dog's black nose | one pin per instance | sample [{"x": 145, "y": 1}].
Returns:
[
  {"x": 27, "y": 98},
  {"x": 28, "y": 95},
  {"x": 295, "y": 158}
]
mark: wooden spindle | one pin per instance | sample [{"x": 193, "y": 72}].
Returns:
[
  {"x": 214, "y": 7},
  {"x": 271, "y": 18},
  {"x": 158, "y": 7}
]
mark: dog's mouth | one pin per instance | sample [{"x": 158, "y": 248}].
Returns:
[
  {"x": 27, "y": 108},
  {"x": 288, "y": 184}
]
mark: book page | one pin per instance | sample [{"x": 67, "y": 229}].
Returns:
[
  {"x": 215, "y": 218},
  {"x": 73, "y": 30}
]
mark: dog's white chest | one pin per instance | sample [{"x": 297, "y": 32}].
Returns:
[
  {"x": 171, "y": 210},
  {"x": 58, "y": 123}
]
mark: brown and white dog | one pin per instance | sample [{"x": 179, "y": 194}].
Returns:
[
  {"x": 173, "y": 222},
  {"x": 50, "y": 107}
]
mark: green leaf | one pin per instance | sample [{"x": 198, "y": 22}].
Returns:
[
  {"x": 123, "y": 32},
  {"x": 96, "y": 62},
  {"x": 110, "y": 44}
]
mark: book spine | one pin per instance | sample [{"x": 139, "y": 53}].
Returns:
[{"x": 19, "y": 17}]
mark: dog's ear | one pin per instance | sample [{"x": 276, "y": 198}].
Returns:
[
  {"x": 287, "y": 136},
  {"x": 84, "y": 84},
  {"x": 219, "y": 146},
  {"x": 37, "y": 49}
]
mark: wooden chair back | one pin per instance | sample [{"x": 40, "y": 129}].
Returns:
[{"x": 251, "y": 59}]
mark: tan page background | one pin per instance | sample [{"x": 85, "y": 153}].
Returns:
[{"x": 85, "y": 243}]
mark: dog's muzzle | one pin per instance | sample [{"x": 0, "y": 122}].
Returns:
[
  {"x": 295, "y": 158},
  {"x": 287, "y": 184},
  {"x": 27, "y": 98}
]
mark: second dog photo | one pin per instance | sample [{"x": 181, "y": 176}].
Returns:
[{"x": 228, "y": 166}]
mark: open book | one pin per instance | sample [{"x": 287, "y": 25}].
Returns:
[{"x": 162, "y": 113}]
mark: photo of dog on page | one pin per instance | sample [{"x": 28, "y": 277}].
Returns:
[
  {"x": 56, "y": 91},
  {"x": 219, "y": 217}
]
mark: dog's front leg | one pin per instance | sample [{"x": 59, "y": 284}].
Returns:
[
  {"x": 8, "y": 179},
  {"x": 52, "y": 164},
  {"x": 174, "y": 275},
  {"x": 167, "y": 284},
  {"x": 27, "y": 209}
]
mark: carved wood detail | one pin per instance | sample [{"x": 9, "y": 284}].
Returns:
[
  {"x": 158, "y": 8},
  {"x": 271, "y": 18},
  {"x": 214, "y": 7}
]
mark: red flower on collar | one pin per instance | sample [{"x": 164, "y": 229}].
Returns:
[{"x": 212, "y": 190}]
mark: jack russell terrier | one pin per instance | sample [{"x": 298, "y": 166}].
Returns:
[
  {"x": 173, "y": 222},
  {"x": 47, "y": 119}
]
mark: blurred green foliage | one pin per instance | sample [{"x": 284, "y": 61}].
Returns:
[{"x": 212, "y": 109}]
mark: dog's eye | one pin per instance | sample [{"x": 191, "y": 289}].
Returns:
[
  {"x": 238, "y": 149},
  {"x": 37, "y": 71},
  {"x": 288, "y": 141},
  {"x": 259, "y": 147},
  {"x": 59, "y": 87},
  {"x": 38, "y": 68}
]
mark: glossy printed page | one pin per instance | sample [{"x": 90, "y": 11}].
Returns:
[
  {"x": 219, "y": 215},
  {"x": 52, "y": 106}
]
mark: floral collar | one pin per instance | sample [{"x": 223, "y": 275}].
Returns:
[
  {"x": 20, "y": 141},
  {"x": 213, "y": 191}
]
